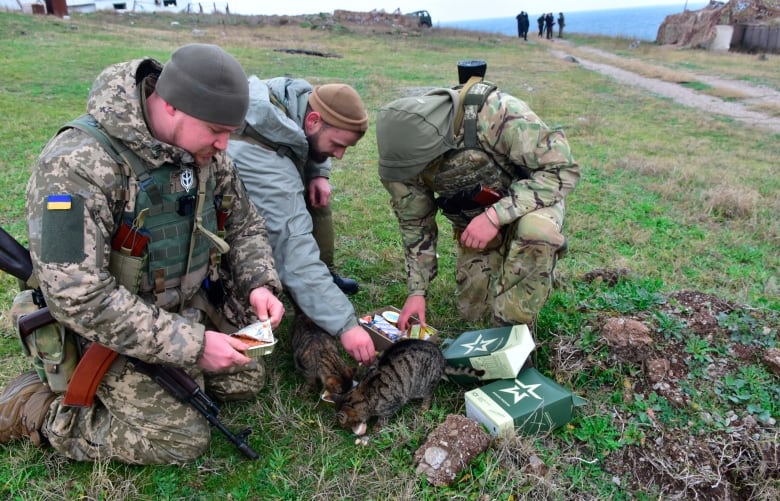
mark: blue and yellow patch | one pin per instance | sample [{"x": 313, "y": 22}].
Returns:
[{"x": 58, "y": 202}]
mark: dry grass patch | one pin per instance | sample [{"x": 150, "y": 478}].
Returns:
[
  {"x": 645, "y": 166},
  {"x": 731, "y": 202},
  {"x": 771, "y": 109}
]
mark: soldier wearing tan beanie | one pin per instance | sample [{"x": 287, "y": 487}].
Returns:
[
  {"x": 283, "y": 154},
  {"x": 340, "y": 106}
]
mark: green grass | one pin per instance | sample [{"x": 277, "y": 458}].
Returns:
[{"x": 675, "y": 199}]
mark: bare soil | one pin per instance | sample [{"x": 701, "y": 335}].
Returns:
[
  {"x": 725, "y": 462},
  {"x": 686, "y": 96}
]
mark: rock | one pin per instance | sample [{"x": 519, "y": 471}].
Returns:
[
  {"x": 771, "y": 358},
  {"x": 450, "y": 448},
  {"x": 657, "y": 369},
  {"x": 629, "y": 339}
]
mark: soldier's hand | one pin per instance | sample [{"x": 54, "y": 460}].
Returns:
[
  {"x": 221, "y": 351},
  {"x": 319, "y": 192},
  {"x": 266, "y": 306},
  {"x": 414, "y": 307},
  {"x": 359, "y": 345},
  {"x": 480, "y": 231}
]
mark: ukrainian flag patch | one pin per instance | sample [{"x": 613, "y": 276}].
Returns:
[{"x": 58, "y": 202}]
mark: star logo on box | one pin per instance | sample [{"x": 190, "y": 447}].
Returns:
[
  {"x": 521, "y": 391},
  {"x": 479, "y": 344}
]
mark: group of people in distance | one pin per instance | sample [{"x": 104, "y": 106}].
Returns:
[
  {"x": 545, "y": 22},
  {"x": 227, "y": 175}
]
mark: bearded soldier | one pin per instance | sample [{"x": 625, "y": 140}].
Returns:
[
  {"x": 131, "y": 210},
  {"x": 283, "y": 154},
  {"x": 500, "y": 174}
]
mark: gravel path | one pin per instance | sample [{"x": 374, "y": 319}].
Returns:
[{"x": 689, "y": 97}]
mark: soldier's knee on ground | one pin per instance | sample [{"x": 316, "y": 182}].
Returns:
[
  {"x": 540, "y": 228},
  {"x": 239, "y": 383}
]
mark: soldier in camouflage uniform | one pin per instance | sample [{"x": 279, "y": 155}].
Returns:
[
  {"x": 501, "y": 178},
  {"x": 176, "y": 119}
]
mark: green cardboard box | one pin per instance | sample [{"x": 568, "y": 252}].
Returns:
[
  {"x": 500, "y": 352},
  {"x": 530, "y": 404}
]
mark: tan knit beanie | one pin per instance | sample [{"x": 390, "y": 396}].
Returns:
[{"x": 340, "y": 106}]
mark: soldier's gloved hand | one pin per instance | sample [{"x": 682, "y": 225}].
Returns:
[
  {"x": 266, "y": 305},
  {"x": 358, "y": 343}
]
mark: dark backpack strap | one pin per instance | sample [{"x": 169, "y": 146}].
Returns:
[
  {"x": 281, "y": 149},
  {"x": 472, "y": 103}
]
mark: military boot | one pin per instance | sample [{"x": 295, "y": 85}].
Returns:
[
  {"x": 23, "y": 408},
  {"x": 348, "y": 286}
]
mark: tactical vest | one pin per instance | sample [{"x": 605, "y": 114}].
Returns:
[
  {"x": 169, "y": 220},
  {"x": 177, "y": 258}
]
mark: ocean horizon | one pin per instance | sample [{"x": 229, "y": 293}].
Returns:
[{"x": 637, "y": 23}]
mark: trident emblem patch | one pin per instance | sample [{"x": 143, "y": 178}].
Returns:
[{"x": 187, "y": 179}]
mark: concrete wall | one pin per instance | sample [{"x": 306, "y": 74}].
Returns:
[{"x": 756, "y": 38}]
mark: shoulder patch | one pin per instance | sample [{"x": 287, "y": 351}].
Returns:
[{"x": 62, "y": 229}]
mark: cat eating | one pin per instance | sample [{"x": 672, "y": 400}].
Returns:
[{"x": 407, "y": 370}]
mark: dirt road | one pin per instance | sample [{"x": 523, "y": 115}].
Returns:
[{"x": 689, "y": 97}]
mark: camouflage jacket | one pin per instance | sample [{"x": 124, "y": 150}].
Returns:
[
  {"x": 71, "y": 259},
  {"x": 513, "y": 135}
]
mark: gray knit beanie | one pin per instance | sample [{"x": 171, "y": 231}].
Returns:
[{"x": 207, "y": 83}]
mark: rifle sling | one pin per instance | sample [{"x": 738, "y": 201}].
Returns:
[{"x": 89, "y": 372}]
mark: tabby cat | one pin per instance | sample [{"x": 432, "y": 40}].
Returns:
[
  {"x": 316, "y": 356},
  {"x": 409, "y": 369}
]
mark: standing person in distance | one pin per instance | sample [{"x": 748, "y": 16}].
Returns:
[{"x": 561, "y": 24}]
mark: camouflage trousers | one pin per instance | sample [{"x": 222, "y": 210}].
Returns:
[
  {"x": 512, "y": 278},
  {"x": 136, "y": 421}
]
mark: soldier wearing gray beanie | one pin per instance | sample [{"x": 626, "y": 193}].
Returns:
[{"x": 207, "y": 83}]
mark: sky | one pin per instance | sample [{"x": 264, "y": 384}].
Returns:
[{"x": 441, "y": 10}]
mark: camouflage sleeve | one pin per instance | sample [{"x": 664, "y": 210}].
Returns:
[
  {"x": 413, "y": 205},
  {"x": 250, "y": 256},
  {"x": 69, "y": 200},
  {"x": 517, "y": 136}
]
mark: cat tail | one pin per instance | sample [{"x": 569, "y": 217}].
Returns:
[{"x": 463, "y": 370}]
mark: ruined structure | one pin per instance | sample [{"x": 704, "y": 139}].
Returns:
[
  {"x": 751, "y": 25},
  {"x": 379, "y": 17}
]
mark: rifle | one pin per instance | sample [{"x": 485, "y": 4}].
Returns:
[{"x": 15, "y": 259}]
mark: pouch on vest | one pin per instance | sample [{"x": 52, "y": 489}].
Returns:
[
  {"x": 128, "y": 258},
  {"x": 52, "y": 348},
  {"x": 127, "y": 270}
]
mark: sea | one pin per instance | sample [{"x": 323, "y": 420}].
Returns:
[{"x": 636, "y": 23}]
